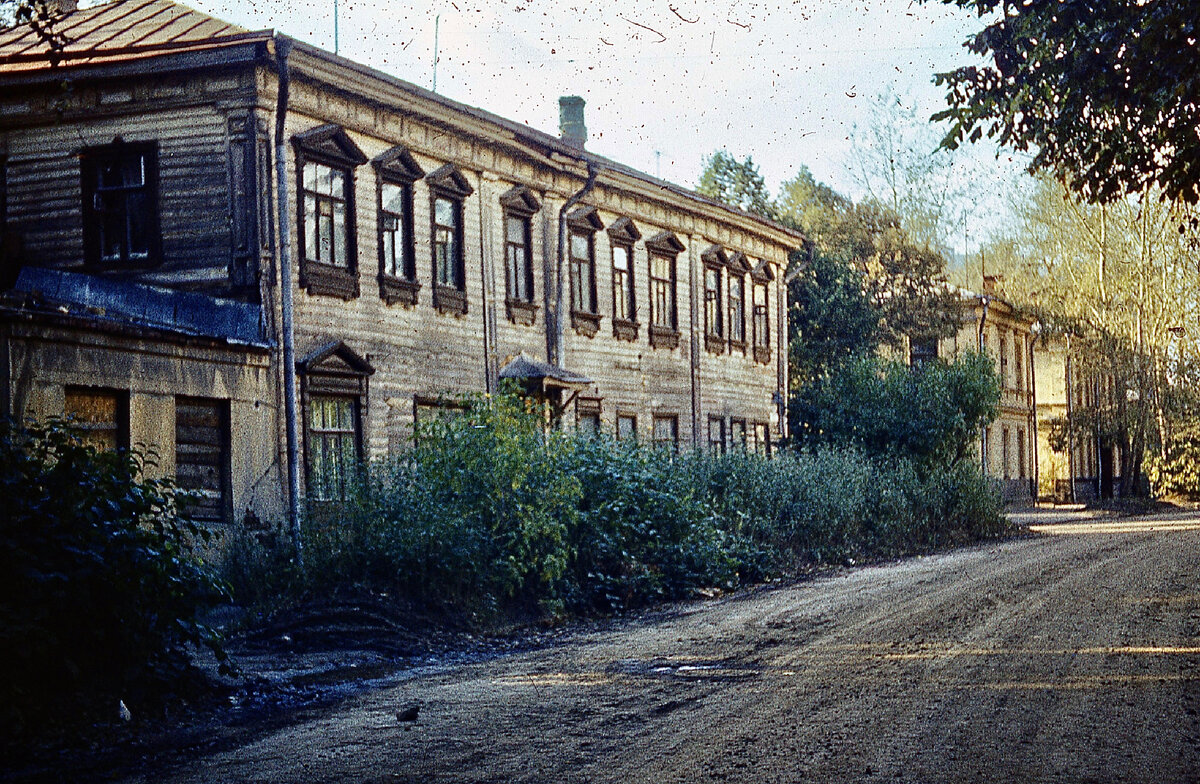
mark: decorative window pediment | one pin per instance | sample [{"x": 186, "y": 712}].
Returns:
[
  {"x": 449, "y": 181},
  {"x": 714, "y": 256},
  {"x": 586, "y": 219},
  {"x": 737, "y": 263},
  {"x": 624, "y": 230},
  {"x": 335, "y": 367},
  {"x": 762, "y": 273},
  {"x": 398, "y": 165},
  {"x": 519, "y": 199},
  {"x": 665, "y": 242},
  {"x": 330, "y": 143}
]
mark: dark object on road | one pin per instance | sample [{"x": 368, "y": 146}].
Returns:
[{"x": 409, "y": 713}]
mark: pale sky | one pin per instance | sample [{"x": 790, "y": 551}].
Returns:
[{"x": 666, "y": 82}]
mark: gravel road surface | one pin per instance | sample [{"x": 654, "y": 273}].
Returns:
[{"x": 1069, "y": 656}]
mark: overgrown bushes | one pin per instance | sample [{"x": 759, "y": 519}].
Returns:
[
  {"x": 1178, "y": 474},
  {"x": 99, "y": 594},
  {"x": 486, "y": 512}
]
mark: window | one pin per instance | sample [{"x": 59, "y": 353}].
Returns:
[
  {"x": 1018, "y": 369},
  {"x": 101, "y": 416},
  {"x": 622, "y": 235},
  {"x": 762, "y": 325},
  {"x": 448, "y": 189},
  {"x": 737, "y": 434},
  {"x": 663, "y": 248},
  {"x": 1004, "y": 453},
  {"x": 326, "y": 158},
  {"x": 519, "y": 206},
  {"x": 396, "y": 171},
  {"x": 120, "y": 205},
  {"x": 202, "y": 458},
  {"x": 716, "y": 434},
  {"x": 761, "y": 443},
  {"x": 713, "y": 328},
  {"x": 587, "y": 416},
  {"x": 922, "y": 350},
  {"x": 626, "y": 427},
  {"x": 1004, "y": 362},
  {"x": 582, "y": 225},
  {"x": 1020, "y": 453},
  {"x": 334, "y": 388},
  {"x": 737, "y": 311},
  {"x": 666, "y": 431},
  {"x": 332, "y": 446}
]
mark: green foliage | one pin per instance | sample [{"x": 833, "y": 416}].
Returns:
[
  {"x": 736, "y": 183},
  {"x": 100, "y": 588},
  {"x": 488, "y": 513},
  {"x": 830, "y": 319},
  {"x": 1104, "y": 93},
  {"x": 931, "y": 414},
  {"x": 1177, "y": 475}
]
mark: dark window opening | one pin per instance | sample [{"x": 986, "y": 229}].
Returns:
[{"x": 120, "y": 206}]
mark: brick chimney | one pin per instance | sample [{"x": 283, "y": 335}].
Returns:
[
  {"x": 570, "y": 120},
  {"x": 61, "y": 7}
]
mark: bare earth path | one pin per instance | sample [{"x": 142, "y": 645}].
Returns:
[{"x": 1069, "y": 657}]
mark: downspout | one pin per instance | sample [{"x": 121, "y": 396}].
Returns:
[
  {"x": 554, "y": 320},
  {"x": 983, "y": 439},
  {"x": 1033, "y": 418},
  {"x": 283, "y": 46}
]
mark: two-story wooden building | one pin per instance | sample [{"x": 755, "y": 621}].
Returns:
[{"x": 198, "y": 218}]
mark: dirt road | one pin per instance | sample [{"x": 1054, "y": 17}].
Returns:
[{"x": 1069, "y": 657}]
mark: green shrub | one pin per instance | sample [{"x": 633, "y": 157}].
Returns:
[
  {"x": 101, "y": 592},
  {"x": 1178, "y": 475}
]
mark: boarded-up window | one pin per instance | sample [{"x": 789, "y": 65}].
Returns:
[
  {"x": 626, "y": 427},
  {"x": 101, "y": 416},
  {"x": 666, "y": 431},
  {"x": 716, "y": 434},
  {"x": 202, "y": 457}
]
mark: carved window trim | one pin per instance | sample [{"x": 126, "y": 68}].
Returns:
[
  {"x": 396, "y": 168},
  {"x": 622, "y": 235},
  {"x": 664, "y": 300},
  {"x": 448, "y": 184},
  {"x": 520, "y": 205},
  {"x": 331, "y": 147},
  {"x": 583, "y": 223},
  {"x": 332, "y": 374}
]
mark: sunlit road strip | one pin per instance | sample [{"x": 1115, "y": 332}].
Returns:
[{"x": 1118, "y": 527}]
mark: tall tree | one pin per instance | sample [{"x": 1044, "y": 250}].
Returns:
[
  {"x": 736, "y": 183},
  {"x": 1106, "y": 94}
]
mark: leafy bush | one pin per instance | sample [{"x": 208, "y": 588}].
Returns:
[
  {"x": 100, "y": 589},
  {"x": 1178, "y": 475},
  {"x": 487, "y": 512},
  {"x": 931, "y": 414}
]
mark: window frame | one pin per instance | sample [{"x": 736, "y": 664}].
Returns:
[
  {"x": 664, "y": 316},
  {"x": 397, "y": 168},
  {"x": 333, "y": 371},
  {"x": 519, "y": 203},
  {"x": 719, "y": 442},
  {"x": 627, "y": 416},
  {"x": 736, "y": 442},
  {"x": 91, "y": 161},
  {"x": 738, "y": 268},
  {"x": 588, "y": 409},
  {"x": 623, "y": 234},
  {"x": 662, "y": 443},
  {"x": 449, "y": 184},
  {"x": 584, "y": 223},
  {"x": 760, "y": 313},
  {"x": 331, "y": 147},
  {"x": 120, "y": 424},
  {"x": 224, "y": 458}
]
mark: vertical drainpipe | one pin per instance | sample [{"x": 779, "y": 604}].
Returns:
[
  {"x": 1070, "y": 422},
  {"x": 283, "y": 47},
  {"x": 983, "y": 439},
  {"x": 554, "y": 329},
  {"x": 1033, "y": 418},
  {"x": 486, "y": 288}
]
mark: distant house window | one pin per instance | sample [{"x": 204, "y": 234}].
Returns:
[
  {"x": 326, "y": 158},
  {"x": 762, "y": 324},
  {"x": 626, "y": 427},
  {"x": 666, "y": 431},
  {"x": 1020, "y": 453},
  {"x": 922, "y": 350},
  {"x": 737, "y": 312},
  {"x": 1004, "y": 453},
  {"x": 1018, "y": 365},
  {"x": 1004, "y": 382},
  {"x": 716, "y": 434},
  {"x": 333, "y": 446},
  {"x": 100, "y": 415},
  {"x": 120, "y": 205},
  {"x": 737, "y": 434}
]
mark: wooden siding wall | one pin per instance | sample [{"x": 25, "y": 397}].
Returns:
[
  {"x": 187, "y": 117},
  {"x": 420, "y": 352}
]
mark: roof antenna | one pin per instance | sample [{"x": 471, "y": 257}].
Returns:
[
  {"x": 437, "y": 20},
  {"x": 335, "y": 26}
]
